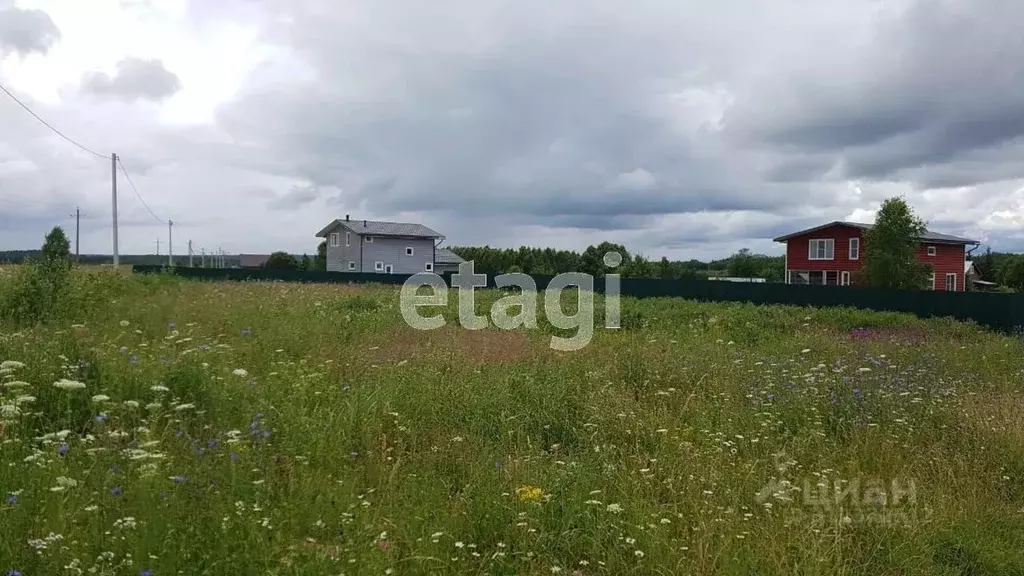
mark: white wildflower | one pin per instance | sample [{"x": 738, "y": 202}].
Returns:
[
  {"x": 614, "y": 508},
  {"x": 159, "y": 388},
  {"x": 124, "y": 323},
  {"x": 241, "y": 372},
  {"x": 24, "y": 399},
  {"x": 9, "y": 411},
  {"x": 16, "y": 384},
  {"x": 131, "y": 404},
  {"x": 100, "y": 398},
  {"x": 11, "y": 365},
  {"x": 65, "y": 384}
]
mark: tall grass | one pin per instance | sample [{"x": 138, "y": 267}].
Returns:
[{"x": 304, "y": 429}]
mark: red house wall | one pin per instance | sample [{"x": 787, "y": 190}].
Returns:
[
  {"x": 948, "y": 259},
  {"x": 797, "y": 249}
]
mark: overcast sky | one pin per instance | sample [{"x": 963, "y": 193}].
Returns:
[{"x": 679, "y": 128}]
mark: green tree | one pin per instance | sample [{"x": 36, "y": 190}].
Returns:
[
  {"x": 320, "y": 262},
  {"x": 592, "y": 259},
  {"x": 742, "y": 265},
  {"x": 1012, "y": 273},
  {"x": 890, "y": 248},
  {"x": 305, "y": 263},
  {"x": 56, "y": 245},
  {"x": 281, "y": 261}
]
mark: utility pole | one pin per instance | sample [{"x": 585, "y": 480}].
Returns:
[
  {"x": 202, "y": 258},
  {"x": 113, "y": 191},
  {"x": 78, "y": 216},
  {"x": 189, "y": 253},
  {"x": 158, "y": 246},
  {"x": 170, "y": 246}
]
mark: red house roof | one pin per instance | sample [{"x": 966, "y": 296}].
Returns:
[{"x": 928, "y": 236}]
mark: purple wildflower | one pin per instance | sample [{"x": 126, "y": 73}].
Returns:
[
  {"x": 171, "y": 325},
  {"x": 12, "y": 499},
  {"x": 116, "y": 491},
  {"x": 15, "y": 573},
  {"x": 146, "y": 573},
  {"x": 133, "y": 360},
  {"x": 101, "y": 418},
  {"x": 234, "y": 457},
  {"x": 62, "y": 449}
]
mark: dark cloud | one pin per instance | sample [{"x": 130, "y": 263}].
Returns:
[
  {"x": 297, "y": 197},
  {"x": 26, "y": 31},
  {"x": 933, "y": 85},
  {"x": 134, "y": 79}
]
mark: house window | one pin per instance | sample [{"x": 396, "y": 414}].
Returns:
[
  {"x": 378, "y": 266},
  {"x": 844, "y": 279},
  {"x": 408, "y": 251},
  {"x": 429, "y": 266},
  {"x": 854, "y": 248},
  {"x": 951, "y": 282},
  {"x": 822, "y": 249},
  {"x": 335, "y": 239},
  {"x": 931, "y": 280},
  {"x": 351, "y": 265},
  {"x": 388, "y": 269},
  {"x": 931, "y": 250},
  {"x": 348, "y": 238},
  {"x": 369, "y": 239},
  {"x": 831, "y": 278}
]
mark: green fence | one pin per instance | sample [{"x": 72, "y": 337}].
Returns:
[{"x": 1004, "y": 312}]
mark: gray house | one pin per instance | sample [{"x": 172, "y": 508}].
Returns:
[
  {"x": 446, "y": 261},
  {"x": 379, "y": 247}
]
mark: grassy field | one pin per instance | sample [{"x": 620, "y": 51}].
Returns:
[{"x": 304, "y": 429}]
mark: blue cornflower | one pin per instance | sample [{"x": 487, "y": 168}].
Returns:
[
  {"x": 133, "y": 359},
  {"x": 266, "y": 433},
  {"x": 101, "y": 418},
  {"x": 171, "y": 325},
  {"x": 234, "y": 457},
  {"x": 146, "y": 573},
  {"x": 116, "y": 491},
  {"x": 178, "y": 479},
  {"x": 16, "y": 573},
  {"x": 63, "y": 449},
  {"x": 246, "y": 332},
  {"x": 12, "y": 499}
]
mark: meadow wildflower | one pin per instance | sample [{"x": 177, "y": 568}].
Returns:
[
  {"x": 66, "y": 384},
  {"x": 529, "y": 493},
  {"x": 11, "y": 365},
  {"x": 241, "y": 372},
  {"x": 100, "y": 398},
  {"x": 63, "y": 449}
]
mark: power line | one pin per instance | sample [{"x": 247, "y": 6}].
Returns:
[
  {"x": 136, "y": 190},
  {"x": 47, "y": 124}
]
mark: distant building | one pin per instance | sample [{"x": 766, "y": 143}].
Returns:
[
  {"x": 252, "y": 260},
  {"x": 380, "y": 247},
  {"x": 446, "y": 261},
  {"x": 832, "y": 253}
]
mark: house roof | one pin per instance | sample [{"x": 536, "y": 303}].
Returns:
[
  {"x": 382, "y": 228},
  {"x": 928, "y": 235},
  {"x": 252, "y": 260},
  {"x": 446, "y": 256}
]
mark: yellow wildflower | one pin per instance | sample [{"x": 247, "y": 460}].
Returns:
[{"x": 529, "y": 493}]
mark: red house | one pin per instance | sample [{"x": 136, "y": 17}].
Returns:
[{"x": 832, "y": 253}]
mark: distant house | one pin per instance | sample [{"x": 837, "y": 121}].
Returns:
[
  {"x": 252, "y": 260},
  {"x": 832, "y": 253},
  {"x": 973, "y": 278},
  {"x": 446, "y": 261},
  {"x": 380, "y": 247}
]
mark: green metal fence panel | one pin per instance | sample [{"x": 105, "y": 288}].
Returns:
[{"x": 1004, "y": 312}]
